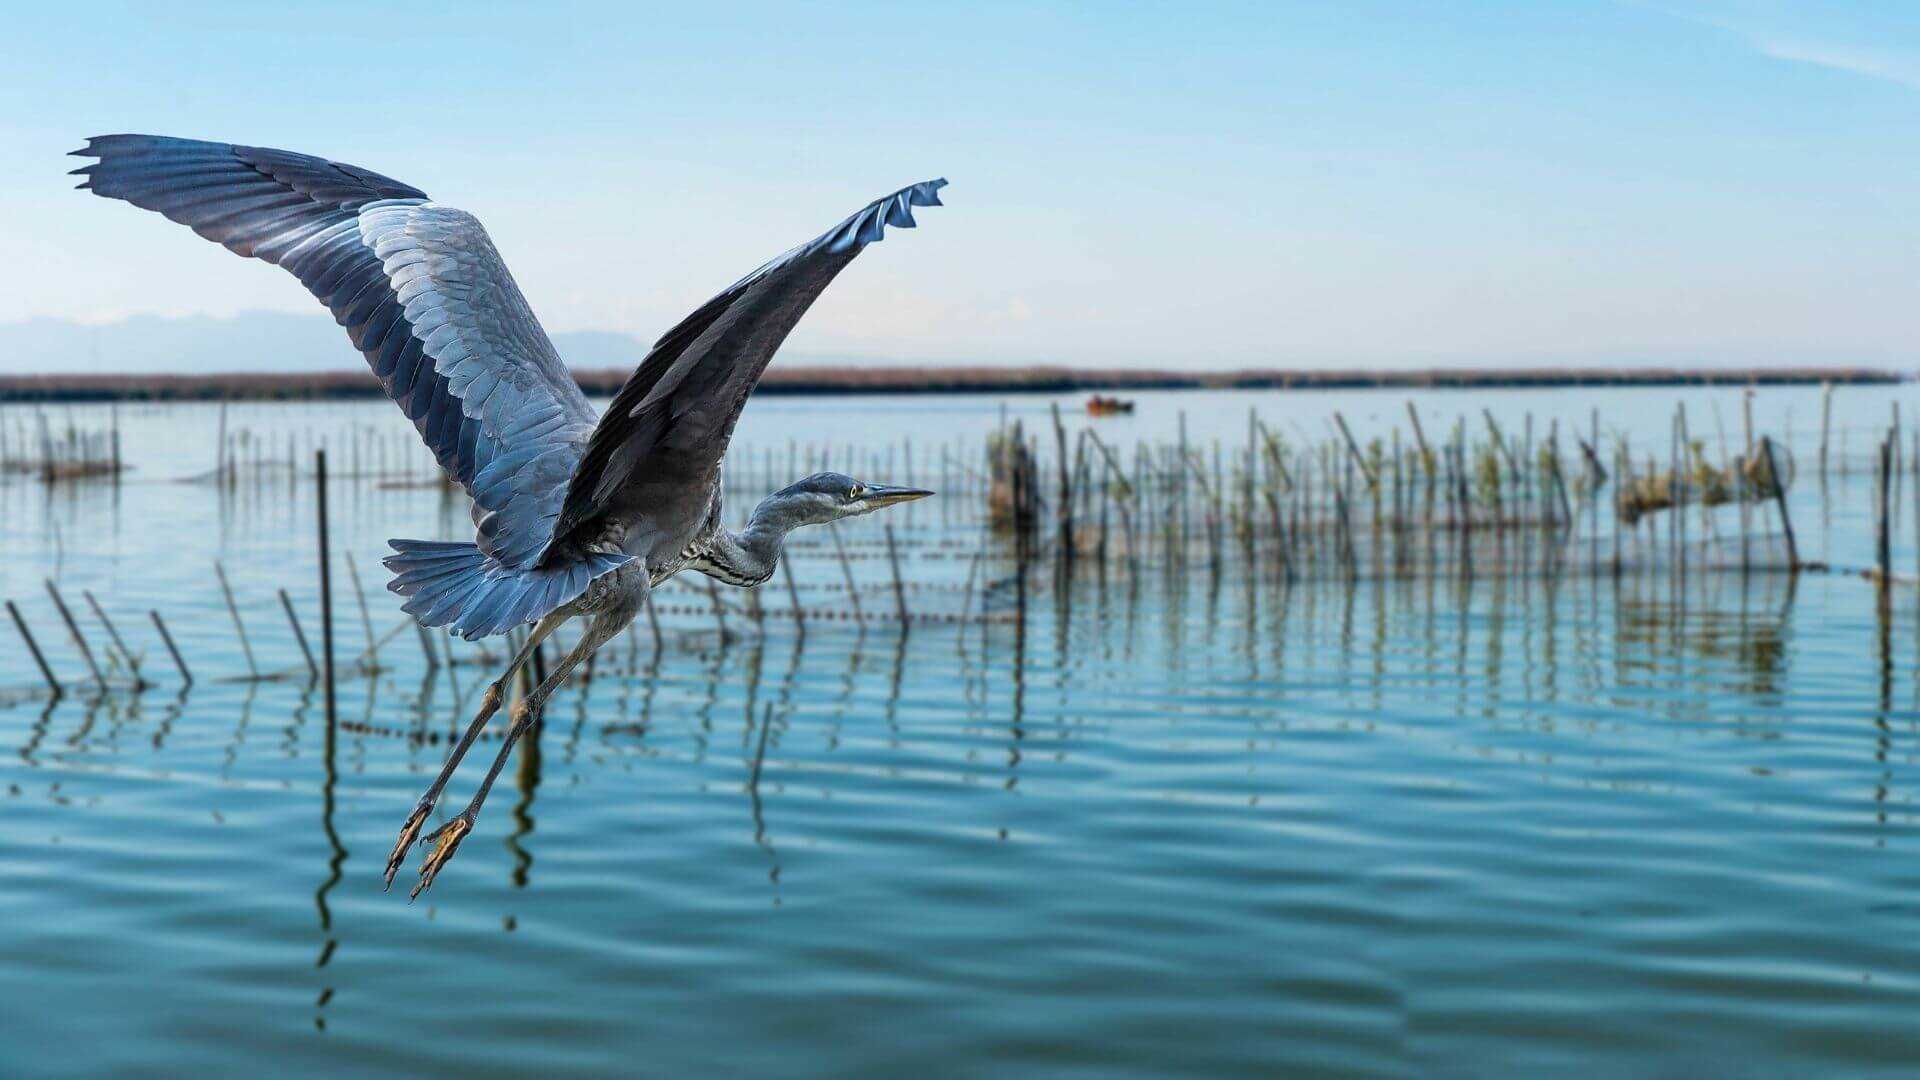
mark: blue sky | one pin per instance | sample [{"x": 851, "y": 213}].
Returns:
[{"x": 1189, "y": 185}]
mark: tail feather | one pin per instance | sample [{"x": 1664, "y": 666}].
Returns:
[{"x": 458, "y": 586}]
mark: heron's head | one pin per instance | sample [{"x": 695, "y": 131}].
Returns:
[{"x": 828, "y": 496}]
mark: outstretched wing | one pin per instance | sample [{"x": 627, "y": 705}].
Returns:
[
  {"x": 652, "y": 460},
  {"x": 422, "y": 294}
]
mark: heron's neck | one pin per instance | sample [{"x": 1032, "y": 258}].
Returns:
[{"x": 750, "y": 556}]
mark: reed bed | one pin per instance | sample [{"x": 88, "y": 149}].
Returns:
[
  {"x": 1037, "y": 510},
  {"x": 33, "y": 446}
]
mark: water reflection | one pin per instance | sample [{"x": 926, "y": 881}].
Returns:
[
  {"x": 526, "y": 780},
  {"x": 1323, "y": 805},
  {"x": 761, "y": 838},
  {"x": 336, "y": 851}
]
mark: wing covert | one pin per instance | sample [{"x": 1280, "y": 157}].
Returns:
[{"x": 422, "y": 294}]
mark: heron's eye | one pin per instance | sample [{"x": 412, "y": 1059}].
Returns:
[{"x": 855, "y": 492}]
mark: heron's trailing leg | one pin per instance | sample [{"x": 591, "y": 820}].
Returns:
[
  {"x": 446, "y": 839},
  {"x": 489, "y": 705}
]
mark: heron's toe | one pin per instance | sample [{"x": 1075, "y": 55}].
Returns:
[
  {"x": 443, "y": 841},
  {"x": 408, "y": 833}
]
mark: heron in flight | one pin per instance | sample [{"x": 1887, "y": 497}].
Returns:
[{"x": 575, "y": 515}]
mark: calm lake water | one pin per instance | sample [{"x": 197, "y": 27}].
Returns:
[{"x": 1444, "y": 826}]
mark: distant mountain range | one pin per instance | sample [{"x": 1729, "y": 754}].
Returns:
[{"x": 254, "y": 341}]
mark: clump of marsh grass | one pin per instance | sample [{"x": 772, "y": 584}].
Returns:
[{"x": 1700, "y": 482}]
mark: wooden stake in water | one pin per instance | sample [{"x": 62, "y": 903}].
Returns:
[
  {"x": 719, "y": 607},
  {"x": 1064, "y": 511},
  {"x": 1353, "y": 448},
  {"x": 113, "y": 634},
  {"x": 1826, "y": 425},
  {"x": 793, "y": 597},
  {"x": 370, "y": 658},
  {"x": 754, "y": 610},
  {"x": 326, "y": 580},
  {"x": 239, "y": 627},
  {"x": 846, "y": 569},
  {"x": 79, "y": 639},
  {"x": 299, "y": 635},
  {"x": 220, "y": 457},
  {"x": 900, "y": 589},
  {"x": 33, "y": 649},
  {"x": 1883, "y": 518},
  {"x": 426, "y": 647},
  {"x": 653, "y": 621},
  {"x": 172, "y": 649},
  {"x": 1420, "y": 438},
  {"x": 1780, "y": 502}
]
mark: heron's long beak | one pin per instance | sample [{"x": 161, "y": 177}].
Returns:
[{"x": 878, "y": 497}]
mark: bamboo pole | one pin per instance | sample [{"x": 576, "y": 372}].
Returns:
[
  {"x": 233, "y": 609},
  {"x": 1353, "y": 448},
  {"x": 719, "y": 606},
  {"x": 299, "y": 635},
  {"x": 426, "y": 646},
  {"x": 1780, "y": 502},
  {"x": 368, "y": 660},
  {"x": 1883, "y": 518},
  {"x": 172, "y": 649},
  {"x": 1826, "y": 425},
  {"x": 79, "y": 639},
  {"x": 1063, "y": 512},
  {"x": 1420, "y": 440},
  {"x": 653, "y": 622},
  {"x": 327, "y": 585},
  {"x": 793, "y": 595},
  {"x": 899, "y": 588},
  {"x": 33, "y": 649},
  {"x": 113, "y": 634},
  {"x": 846, "y": 570}
]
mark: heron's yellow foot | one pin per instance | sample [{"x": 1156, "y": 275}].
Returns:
[
  {"x": 408, "y": 832},
  {"x": 444, "y": 841}
]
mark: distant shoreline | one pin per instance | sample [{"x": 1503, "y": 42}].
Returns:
[{"x": 348, "y": 385}]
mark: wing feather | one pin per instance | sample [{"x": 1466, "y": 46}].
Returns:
[
  {"x": 657, "y": 449},
  {"x": 421, "y": 292}
]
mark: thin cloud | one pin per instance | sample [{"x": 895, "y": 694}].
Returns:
[
  {"x": 1798, "y": 37},
  {"x": 1902, "y": 70}
]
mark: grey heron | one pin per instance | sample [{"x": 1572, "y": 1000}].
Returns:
[{"x": 574, "y": 514}]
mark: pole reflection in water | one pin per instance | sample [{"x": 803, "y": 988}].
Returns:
[
  {"x": 1326, "y": 803},
  {"x": 761, "y": 838},
  {"x": 526, "y": 779},
  {"x": 336, "y": 851}
]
